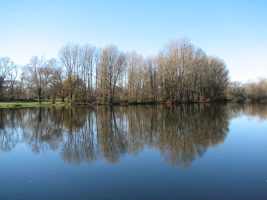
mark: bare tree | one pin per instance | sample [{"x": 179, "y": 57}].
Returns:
[
  {"x": 38, "y": 76},
  {"x": 8, "y": 74},
  {"x": 87, "y": 63},
  {"x": 185, "y": 74},
  {"x": 111, "y": 68},
  {"x": 134, "y": 64},
  {"x": 69, "y": 56}
]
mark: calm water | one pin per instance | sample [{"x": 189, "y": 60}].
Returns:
[{"x": 138, "y": 152}]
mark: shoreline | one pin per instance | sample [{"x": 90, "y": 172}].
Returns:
[{"x": 35, "y": 104}]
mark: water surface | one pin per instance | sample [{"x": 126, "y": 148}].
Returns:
[{"x": 135, "y": 152}]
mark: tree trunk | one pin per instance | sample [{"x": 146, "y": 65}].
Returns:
[
  {"x": 54, "y": 99},
  {"x": 40, "y": 95},
  {"x": 70, "y": 88},
  {"x": 1, "y": 88}
]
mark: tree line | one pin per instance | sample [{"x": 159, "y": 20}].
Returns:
[
  {"x": 180, "y": 72},
  {"x": 250, "y": 91}
]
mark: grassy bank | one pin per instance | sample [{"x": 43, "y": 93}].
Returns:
[
  {"x": 35, "y": 104},
  {"x": 28, "y": 104}
]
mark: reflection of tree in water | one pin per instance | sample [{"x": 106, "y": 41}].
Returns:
[
  {"x": 81, "y": 141},
  {"x": 258, "y": 110},
  {"x": 9, "y": 136},
  {"x": 42, "y": 129},
  {"x": 188, "y": 131},
  {"x": 74, "y": 118},
  {"x": 181, "y": 133},
  {"x": 249, "y": 110},
  {"x": 112, "y": 133}
]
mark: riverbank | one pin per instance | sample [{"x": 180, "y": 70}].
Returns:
[
  {"x": 29, "y": 104},
  {"x": 34, "y": 104}
]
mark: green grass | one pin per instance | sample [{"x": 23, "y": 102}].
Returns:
[{"x": 28, "y": 104}]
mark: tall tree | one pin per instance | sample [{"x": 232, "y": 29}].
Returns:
[
  {"x": 111, "y": 68},
  {"x": 7, "y": 73},
  {"x": 134, "y": 73},
  {"x": 69, "y": 56},
  {"x": 88, "y": 64},
  {"x": 38, "y": 76}
]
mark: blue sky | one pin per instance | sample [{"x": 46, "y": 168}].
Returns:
[{"x": 234, "y": 30}]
